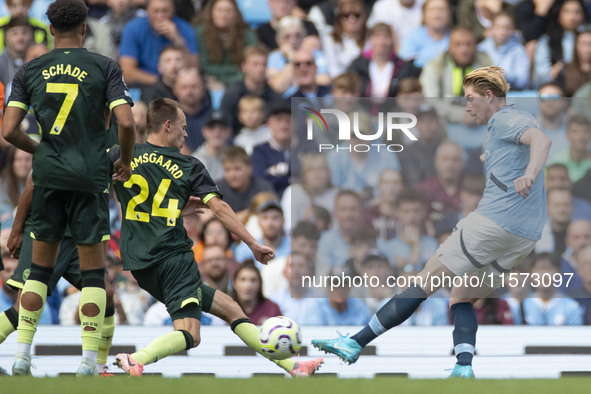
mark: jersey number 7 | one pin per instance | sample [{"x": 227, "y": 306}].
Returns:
[
  {"x": 71, "y": 91},
  {"x": 171, "y": 213}
]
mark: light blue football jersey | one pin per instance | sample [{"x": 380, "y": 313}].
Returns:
[{"x": 506, "y": 160}]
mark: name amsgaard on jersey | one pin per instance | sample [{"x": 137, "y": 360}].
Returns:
[{"x": 154, "y": 158}]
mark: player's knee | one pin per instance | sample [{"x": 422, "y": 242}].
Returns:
[
  {"x": 31, "y": 301},
  {"x": 90, "y": 309}
]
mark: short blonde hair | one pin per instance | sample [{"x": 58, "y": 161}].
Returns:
[
  {"x": 488, "y": 78},
  {"x": 251, "y": 101}
]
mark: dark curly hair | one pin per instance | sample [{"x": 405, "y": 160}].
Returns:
[{"x": 67, "y": 15}]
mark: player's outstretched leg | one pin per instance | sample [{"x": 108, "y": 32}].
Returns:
[
  {"x": 8, "y": 323},
  {"x": 227, "y": 309},
  {"x": 394, "y": 312},
  {"x": 464, "y": 335},
  {"x": 107, "y": 331},
  {"x": 31, "y": 306}
]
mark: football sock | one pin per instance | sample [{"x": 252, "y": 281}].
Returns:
[
  {"x": 8, "y": 323},
  {"x": 93, "y": 299},
  {"x": 32, "y": 303},
  {"x": 464, "y": 334},
  {"x": 394, "y": 312},
  {"x": 106, "y": 335},
  {"x": 249, "y": 334},
  {"x": 164, "y": 345}
]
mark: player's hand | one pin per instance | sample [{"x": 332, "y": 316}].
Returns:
[
  {"x": 15, "y": 240},
  {"x": 523, "y": 185},
  {"x": 194, "y": 206},
  {"x": 263, "y": 254},
  {"x": 122, "y": 171}
]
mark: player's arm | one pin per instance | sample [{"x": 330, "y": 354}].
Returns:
[
  {"x": 229, "y": 219},
  {"x": 15, "y": 239},
  {"x": 122, "y": 167},
  {"x": 11, "y": 130},
  {"x": 539, "y": 148}
]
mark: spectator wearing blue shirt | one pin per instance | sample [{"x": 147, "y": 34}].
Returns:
[
  {"x": 504, "y": 47},
  {"x": 272, "y": 160},
  {"x": 582, "y": 293},
  {"x": 143, "y": 39},
  {"x": 549, "y": 307},
  {"x": 429, "y": 40}
]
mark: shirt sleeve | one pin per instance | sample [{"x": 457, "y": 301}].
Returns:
[
  {"x": 128, "y": 46},
  {"x": 19, "y": 95},
  {"x": 514, "y": 126},
  {"x": 202, "y": 185},
  {"x": 117, "y": 93}
]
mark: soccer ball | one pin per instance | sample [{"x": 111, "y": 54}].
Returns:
[{"x": 280, "y": 337}]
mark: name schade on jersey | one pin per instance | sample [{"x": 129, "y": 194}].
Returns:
[
  {"x": 64, "y": 69},
  {"x": 154, "y": 158}
]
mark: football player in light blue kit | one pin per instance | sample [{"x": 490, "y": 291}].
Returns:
[{"x": 489, "y": 241}]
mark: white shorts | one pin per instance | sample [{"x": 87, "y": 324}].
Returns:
[{"x": 480, "y": 246}]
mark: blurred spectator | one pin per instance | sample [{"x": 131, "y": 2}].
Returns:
[
  {"x": 270, "y": 217},
  {"x": 429, "y": 40},
  {"x": 578, "y": 237},
  {"x": 140, "y": 111},
  {"x": 557, "y": 178},
  {"x": 305, "y": 83},
  {"x": 281, "y": 63},
  {"x": 314, "y": 188},
  {"x": 363, "y": 243},
  {"x": 560, "y": 210},
  {"x": 443, "y": 76},
  {"x": 410, "y": 247},
  {"x": 575, "y": 158},
  {"x": 578, "y": 72},
  {"x": 549, "y": 307},
  {"x": 239, "y": 186},
  {"x": 304, "y": 240},
  {"x": 379, "y": 68},
  {"x": 582, "y": 188},
  {"x": 493, "y": 311},
  {"x": 213, "y": 233},
  {"x": 401, "y": 15},
  {"x": 272, "y": 160},
  {"x": 503, "y": 46},
  {"x": 443, "y": 191},
  {"x": 143, "y": 39},
  {"x": 131, "y": 301},
  {"x": 517, "y": 294},
  {"x": 251, "y": 113},
  {"x": 334, "y": 245},
  {"x": 12, "y": 183},
  {"x": 170, "y": 62},
  {"x": 216, "y": 268},
  {"x": 478, "y": 15},
  {"x": 348, "y": 38},
  {"x": 247, "y": 291},
  {"x": 553, "y": 116},
  {"x": 267, "y": 32},
  {"x": 375, "y": 264},
  {"x": 359, "y": 169},
  {"x": 222, "y": 37},
  {"x": 323, "y": 15},
  {"x": 410, "y": 99},
  {"x": 196, "y": 103},
  {"x": 18, "y": 36},
  {"x": 18, "y": 9},
  {"x": 98, "y": 39},
  {"x": 216, "y": 132},
  {"x": 320, "y": 217},
  {"x": 532, "y": 18},
  {"x": 252, "y": 220},
  {"x": 582, "y": 294},
  {"x": 294, "y": 300},
  {"x": 556, "y": 47},
  {"x": 119, "y": 14},
  {"x": 470, "y": 195},
  {"x": 254, "y": 83},
  {"x": 380, "y": 214},
  {"x": 338, "y": 309},
  {"x": 417, "y": 159}
]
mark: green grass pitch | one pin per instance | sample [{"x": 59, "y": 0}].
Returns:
[{"x": 279, "y": 385}]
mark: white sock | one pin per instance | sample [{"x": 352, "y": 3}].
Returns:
[
  {"x": 90, "y": 355},
  {"x": 100, "y": 367},
  {"x": 23, "y": 348}
]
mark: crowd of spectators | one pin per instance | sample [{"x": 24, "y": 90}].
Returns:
[{"x": 243, "y": 84}]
